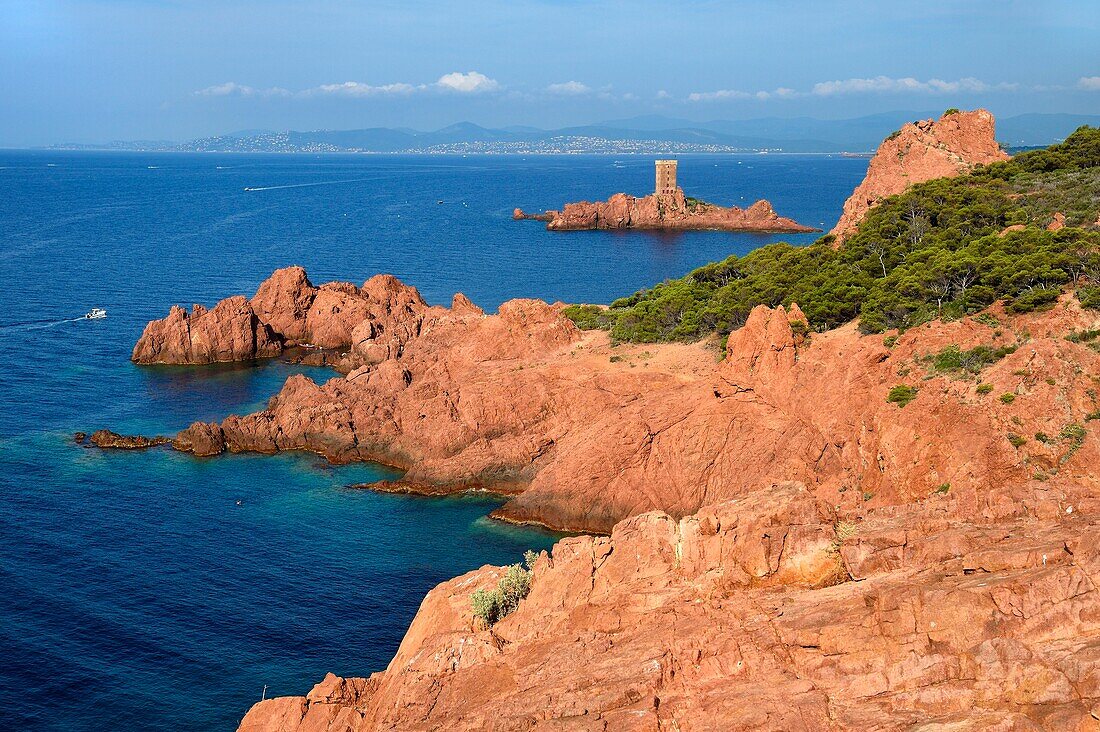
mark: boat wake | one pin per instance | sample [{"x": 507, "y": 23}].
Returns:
[
  {"x": 253, "y": 189},
  {"x": 39, "y": 324}
]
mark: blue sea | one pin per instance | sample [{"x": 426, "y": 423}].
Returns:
[{"x": 135, "y": 593}]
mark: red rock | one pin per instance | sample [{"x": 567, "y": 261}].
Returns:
[
  {"x": 287, "y": 310},
  {"x": 1057, "y": 222},
  {"x": 920, "y": 151},
  {"x": 655, "y": 211},
  {"x": 283, "y": 301},
  {"x": 202, "y": 439},
  {"x": 228, "y": 332},
  {"x": 743, "y": 616},
  {"x": 524, "y": 404}
]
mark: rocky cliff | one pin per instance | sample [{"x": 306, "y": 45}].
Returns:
[
  {"x": 654, "y": 211},
  {"x": 772, "y": 611},
  {"x": 921, "y": 151},
  {"x": 795, "y": 544},
  {"x": 585, "y": 434}
]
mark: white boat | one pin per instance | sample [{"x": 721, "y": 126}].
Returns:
[{"x": 95, "y": 314}]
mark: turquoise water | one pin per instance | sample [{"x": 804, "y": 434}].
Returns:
[{"x": 137, "y": 593}]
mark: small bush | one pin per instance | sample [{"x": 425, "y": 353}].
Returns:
[
  {"x": 1007, "y": 398},
  {"x": 987, "y": 319},
  {"x": 588, "y": 317},
  {"x": 1083, "y": 336},
  {"x": 1043, "y": 437},
  {"x": 984, "y": 388},
  {"x": 1032, "y": 300},
  {"x": 1089, "y": 297},
  {"x": 491, "y": 605},
  {"x": 952, "y": 110},
  {"x": 1073, "y": 433},
  {"x": 943, "y": 489},
  {"x": 1092, "y": 416},
  {"x": 890, "y": 341},
  {"x": 952, "y": 358},
  {"x": 1016, "y": 441},
  {"x": 902, "y": 394}
]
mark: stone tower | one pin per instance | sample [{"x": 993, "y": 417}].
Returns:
[{"x": 666, "y": 177}]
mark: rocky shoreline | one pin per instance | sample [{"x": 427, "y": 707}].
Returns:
[{"x": 814, "y": 530}]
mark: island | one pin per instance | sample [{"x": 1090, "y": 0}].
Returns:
[{"x": 666, "y": 208}]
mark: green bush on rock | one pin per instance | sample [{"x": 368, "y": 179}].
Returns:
[{"x": 489, "y": 606}]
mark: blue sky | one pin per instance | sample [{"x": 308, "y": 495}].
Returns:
[{"x": 171, "y": 69}]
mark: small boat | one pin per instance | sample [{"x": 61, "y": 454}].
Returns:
[{"x": 95, "y": 314}]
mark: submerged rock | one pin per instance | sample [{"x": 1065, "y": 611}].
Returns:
[{"x": 107, "y": 439}]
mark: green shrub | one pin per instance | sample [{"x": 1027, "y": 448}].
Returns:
[
  {"x": 1082, "y": 336},
  {"x": 1015, "y": 440},
  {"x": 588, "y": 317},
  {"x": 984, "y": 388},
  {"x": 1089, "y": 297},
  {"x": 1043, "y": 437},
  {"x": 1074, "y": 434},
  {"x": 952, "y": 110},
  {"x": 1032, "y": 300},
  {"x": 952, "y": 358},
  {"x": 490, "y": 606},
  {"x": 1007, "y": 398},
  {"x": 902, "y": 394},
  {"x": 943, "y": 488},
  {"x": 890, "y": 341},
  {"x": 987, "y": 319}
]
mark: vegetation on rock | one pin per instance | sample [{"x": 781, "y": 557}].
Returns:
[
  {"x": 941, "y": 249},
  {"x": 491, "y": 605}
]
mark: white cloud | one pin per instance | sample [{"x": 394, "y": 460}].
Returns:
[
  {"x": 662, "y": 94},
  {"x": 718, "y": 95},
  {"x": 569, "y": 88},
  {"x": 470, "y": 82},
  {"x": 887, "y": 84},
  {"x": 1089, "y": 83},
  {"x": 359, "y": 89},
  {"x": 233, "y": 89}
]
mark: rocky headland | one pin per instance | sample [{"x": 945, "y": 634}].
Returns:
[
  {"x": 673, "y": 211},
  {"x": 921, "y": 151},
  {"x": 797, "y": 529}
]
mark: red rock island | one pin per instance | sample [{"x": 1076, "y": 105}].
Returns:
[{"x": 666, "y": 208}]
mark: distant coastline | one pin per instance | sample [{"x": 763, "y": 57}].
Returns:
[{"x": 640, "y": 136}]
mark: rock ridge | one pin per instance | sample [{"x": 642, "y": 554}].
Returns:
[{"x": 921, "y": 151}]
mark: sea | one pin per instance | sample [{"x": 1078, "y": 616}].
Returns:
[{"x": 157, "y": 591}]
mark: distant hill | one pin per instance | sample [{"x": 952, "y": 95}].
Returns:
[{"x": 650, "y": 134}]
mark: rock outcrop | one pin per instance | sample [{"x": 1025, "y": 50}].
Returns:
[
  {"x": 789, "y": 549},
  {"x": 583, "y": 434},
  {"x": 288, "y": 311},
  {"x": 921, "y": 151},
  {"x": 970, "y": 612},
  {"x": 669, "y": 211}
]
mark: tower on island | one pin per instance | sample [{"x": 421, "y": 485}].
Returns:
[{"x": 666, "y": 177}]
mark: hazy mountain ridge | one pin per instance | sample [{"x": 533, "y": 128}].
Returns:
[{"x": 647, "y": 134}]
